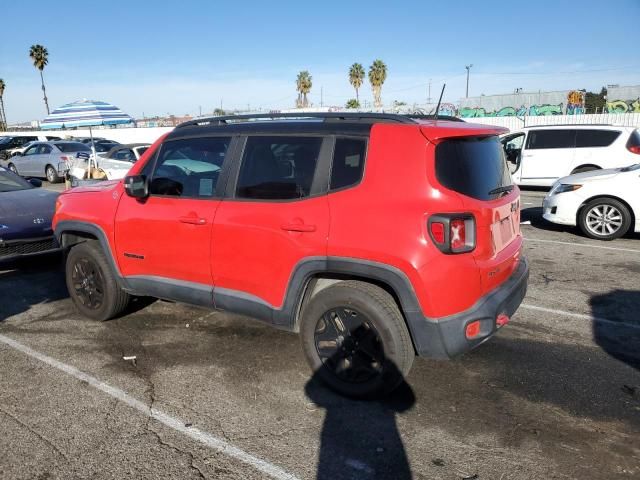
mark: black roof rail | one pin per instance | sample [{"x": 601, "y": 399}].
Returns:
[{"x": 326, "y": 116}]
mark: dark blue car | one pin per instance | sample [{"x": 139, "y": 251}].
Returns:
[{"x": 25, "y": 217}]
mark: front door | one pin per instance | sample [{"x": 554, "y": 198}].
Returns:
[
  {"x": 163, "y": 242},
  {"x": 277, "y": 215},
  {"x": 548, "y": 155},
  {"x": 27, "y": 163}
]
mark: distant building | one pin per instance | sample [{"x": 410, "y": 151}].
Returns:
[{"x": 168, "y": 121}]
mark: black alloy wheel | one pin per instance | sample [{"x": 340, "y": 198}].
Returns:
[
  {"x": 88, "y": 283},
  {"x": 349, "y": 345}
]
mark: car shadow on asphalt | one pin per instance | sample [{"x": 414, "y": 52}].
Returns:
[
  {"x": 30, "y": 281},
  {"x": 619, "y": 338},
  {"x": 360, "y": 438}
]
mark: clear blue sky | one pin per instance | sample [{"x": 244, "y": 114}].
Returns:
[{"x": 159, "y": 57}]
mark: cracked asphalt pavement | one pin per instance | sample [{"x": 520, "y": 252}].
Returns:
[{"x": 555, "y": 395}]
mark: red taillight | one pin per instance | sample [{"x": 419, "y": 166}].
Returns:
[
  {"x": 437, "y": 232},
  {"x": 634, "y": 149},
  {"x": 457, "y": 234},
  {"x": 453, "y": 233}
]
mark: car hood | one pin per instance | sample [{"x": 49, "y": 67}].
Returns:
[
  {"x": 26, "y": 213},
  {"x": 592, "y": 176},
  {"x": 99, "y": 186}
]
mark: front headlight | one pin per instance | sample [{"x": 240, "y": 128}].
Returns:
[{"x": 565, "y": 187}]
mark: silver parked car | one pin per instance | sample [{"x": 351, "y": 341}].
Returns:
[{"x": 48, "y": 160}]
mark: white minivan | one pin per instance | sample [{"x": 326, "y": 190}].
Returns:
[{"x": 540, "y": 155}]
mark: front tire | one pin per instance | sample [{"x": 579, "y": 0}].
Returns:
[
  {"x": 92, "y": 284},
  {"x": 51, "y": 174},
  {"x": 604, "y": 219},
  {"x": 585, "y": 168},
  {"x": 355, "y": 339},
  {"x": 13, "y": 168}
]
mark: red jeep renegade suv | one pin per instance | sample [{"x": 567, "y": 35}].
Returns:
[{"x": 376, "y": 237}]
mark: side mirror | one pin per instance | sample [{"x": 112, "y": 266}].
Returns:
[
  {"x": 136, "y": 186},
  {"x": 36, "y": 182}
]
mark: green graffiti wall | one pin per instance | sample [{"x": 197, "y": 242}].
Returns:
[
  {"x": 624, "y": 106},
  {"x": 533, "y": 110}
]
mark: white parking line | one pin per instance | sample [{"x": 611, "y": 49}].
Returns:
[
  {"x": 175, "y": 423},
  {"x": 529, "y": 239},
  {"x": 581, "y": 316}
]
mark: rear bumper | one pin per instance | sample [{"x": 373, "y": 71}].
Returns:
[{"x": 445, "y": 337}]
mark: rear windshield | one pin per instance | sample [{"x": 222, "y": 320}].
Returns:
[
  {"x": 473, "y": 166},
  {"x": 73, "y": 147}
]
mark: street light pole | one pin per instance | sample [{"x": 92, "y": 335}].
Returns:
[{"x": 468, "y": 67}]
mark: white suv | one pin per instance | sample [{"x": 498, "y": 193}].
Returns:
[{"x": 540, "y": 155}]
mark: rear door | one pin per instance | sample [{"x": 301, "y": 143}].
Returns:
[
  {"x": 163, "y": 243},
  {"x": 276, "y": 215},
  {"x": 592, "y": 148},
  {"x": 548, "y": 155}
]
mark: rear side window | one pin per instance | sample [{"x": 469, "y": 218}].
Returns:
[
  {"x": 348, "y": 162},
  {"x": 190, "y": 167},
  {"x": 474, "y": 166},
  {"x": 596, "y": 138},
  {"x": 73, "y": 147},
  {"x": 278, "y": 168},
  {"x": 539, "y": 139}
]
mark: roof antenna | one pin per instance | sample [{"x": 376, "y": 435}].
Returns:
[{"x": 440, "y": 100}]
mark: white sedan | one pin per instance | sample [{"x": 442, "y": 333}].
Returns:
[{"x": 605, "y": 204}]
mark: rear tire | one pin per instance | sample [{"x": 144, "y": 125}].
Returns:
[
  {"x": 51, "y": 174},
  {"x": 92, "y": 284},
  {"x": 604, "y": 219},
  {"x": 355, "y": 339}
]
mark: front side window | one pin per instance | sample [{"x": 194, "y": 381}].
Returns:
[
  {"x": 540, "y": 139},
  {"x": 348, "y": 162},
  {"x": 278, "y": 168},
  {"x": 588, "y": 138},
  {"x": 32, "y": 150},
  {"x": 189, "y": 168}
]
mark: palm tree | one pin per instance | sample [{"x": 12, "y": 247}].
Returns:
[
  {"x": 303, "y": 86},
  {"x": 356, "y": 77},
  {"x": 40, "y": 58},
  {"x": 3, "y": 117},
  {"x": 377, "y": 76}
]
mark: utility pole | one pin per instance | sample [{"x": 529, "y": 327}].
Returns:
[
  {"x": 429, "y": 93},
  {"x": 200, "y": 110},
  {"x": 468, "y": 67},
  {"x": 321, "y": 97}
]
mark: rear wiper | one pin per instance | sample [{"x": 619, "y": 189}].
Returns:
[{"x": 505, "y": 189}]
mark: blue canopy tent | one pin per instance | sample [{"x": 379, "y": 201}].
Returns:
[{"x": 85, "y": 113}]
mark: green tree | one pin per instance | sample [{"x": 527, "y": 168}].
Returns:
[
  {"x": 218, "y": 112},
  {"x": 595, "y": 102},
  {"x": 3, "y": 116},
  {"x": 377, "y": 77},
  {"x": 356, "y": 77},
  {"x": 303, "y": 86},
  {"x": 40, "y": 57},
  {"x": 353, "y": 103}
]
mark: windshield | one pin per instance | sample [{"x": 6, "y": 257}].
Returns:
[
  {"x": 473, "y": 166},
  {"x": 104, "y": 146},
  {"x": 73, "y": 147},
  {"x": 10, "y": 182}
]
